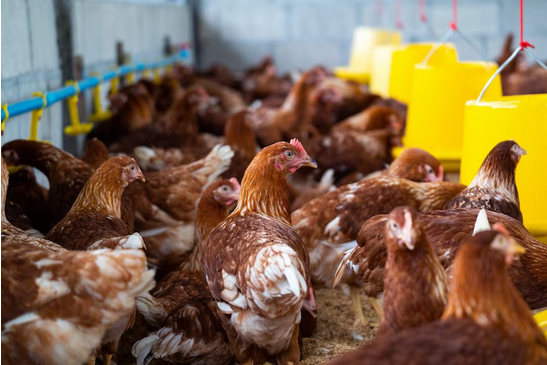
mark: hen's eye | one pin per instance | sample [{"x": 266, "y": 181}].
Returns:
[
  {"x": 429, "y": 170},
  {"x": 225, "y": 188},
  {"x": 289, "y": 154},
  {"x": 132, "y": 167},
  {"x": 394, "y": 225}
]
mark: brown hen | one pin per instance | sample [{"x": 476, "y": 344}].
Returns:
[
  {"x": 446, "y": 229},
  {"x": 25, "y": 192},
  {"x": 94, "y": 221},
  {"x": 255, "y": 264},
  {"x": 56, "y": 304},
  {"x": 415, "y": 281},
  {"x": 494, "y": 187},
  {"x": 182, "y": 307},
  {"x": 330, "y": 224},
  {"x": 483, "y": 323},
  {"x": 66, "y": 173},
  {"x": 165, "y": 205}
]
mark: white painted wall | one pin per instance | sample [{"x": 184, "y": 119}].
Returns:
[{"x": 303, "y": 33}]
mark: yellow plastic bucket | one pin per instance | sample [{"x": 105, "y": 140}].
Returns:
[
  {"x": 393, "y": 67},
  {"x": 541, "y": 320},
  {"x": 436, "y": 109},
  {"x": 364, "y": 41},
  {"x": 524, "y": 119}
]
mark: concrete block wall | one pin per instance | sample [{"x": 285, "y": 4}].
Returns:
[
  {"x": 303, "y": 33},
  {"x": 140, "y": 25},
  {"x": 30, "y": 56},
  {"x": 30, "y": 63}
]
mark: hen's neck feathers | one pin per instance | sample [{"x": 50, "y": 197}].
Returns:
[
  {"x": 209, "y": 214},
  {"x": 482, "y": 291},
  {"x": 43, "y": 156},
  {"x": 102, "y": 192},
  {"x": 497, "y": 173},
  {"x": 296, "y": 97},
  {"x": 5, "y": 181},
  {"x": 433, "y": 195},
  {"x": 422, "y": 261},
  {"x": 265, "y": 191}
]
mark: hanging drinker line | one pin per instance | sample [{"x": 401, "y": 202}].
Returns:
[{"x": 523, "y": 46}]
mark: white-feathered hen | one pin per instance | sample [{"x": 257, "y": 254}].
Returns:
[{"x": 255, "y": 264}]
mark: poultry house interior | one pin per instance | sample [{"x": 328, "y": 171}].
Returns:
[{"x": 274, "y": 182}]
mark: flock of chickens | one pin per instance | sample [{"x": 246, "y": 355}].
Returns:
[{"x": 211, "y": 255}]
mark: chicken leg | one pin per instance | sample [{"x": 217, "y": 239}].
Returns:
[
  {"x": 360, "y": 320},
  {"x": 292, "y": 355},
  {"x": 107, "y": 358},
  {"x": 377, "y": 306}
]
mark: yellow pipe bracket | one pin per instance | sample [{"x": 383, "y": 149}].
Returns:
[
  {"x": 157, "y": 76},
  {"x": 99, "y": 114},
  {"x": 36, "y": 115},
  {"x": 130, "y": 77},
  {"x": 76, "y": 126},
  {"x": 114, "y": 85},
  {"x": 6, "y": 113}
]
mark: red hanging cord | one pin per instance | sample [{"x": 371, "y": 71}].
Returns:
[
  {"x": 422, "y": 11},
  {"x": 379, "y": 9},
  {"x": 454, "y": 24},
  {"x": 522, "y": 43},
  {"x": 398, "y": 16}
]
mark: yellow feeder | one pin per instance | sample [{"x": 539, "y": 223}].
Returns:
[
  {"x": 393, "y": 67},
  {"x": 541, "y": 320},
  {"x": 364, "y": 41},
  {"x": 435, "y": 113},
  {"x": 524, "y": 119}
]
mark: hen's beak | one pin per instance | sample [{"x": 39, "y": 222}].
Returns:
[
  {"x": 140, "y": 176},
  {"x": 515, "y": 248},
  {"x": 308, "y": 161},
  {"x": 407, "y": 231}
]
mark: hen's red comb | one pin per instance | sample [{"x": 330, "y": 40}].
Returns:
[
  {"x": 499, "y": 227},
  {"x": 235, "y": 183},
  {"x": 296, "y": 143}
]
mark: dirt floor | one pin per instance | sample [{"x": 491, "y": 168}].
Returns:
[{"x": 334, "y": 334}]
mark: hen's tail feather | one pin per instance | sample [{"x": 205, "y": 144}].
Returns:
[
  {"x": 144, "y": 156},
  {"x": 216, "y": 162},
  {"x": 151, "y": 309},
  {"x": 327, "y": 180},
  {"x": 342, "y": 267},
  {"x": 142, "y": 349},
  {"x": 132, "y": 241}
]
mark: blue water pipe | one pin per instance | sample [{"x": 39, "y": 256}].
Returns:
[{"x": 52, "y": 97}]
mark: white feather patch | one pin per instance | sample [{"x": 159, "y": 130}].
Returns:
[{"x": 481, "y": 224}]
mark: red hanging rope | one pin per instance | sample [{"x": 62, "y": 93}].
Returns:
[
  {"x": 398, "y": 16},
  {"x": 379, "y": 9},
  {"x": 422, "y": 11},
  {"x": 454, "y": 24},
  {"x": 523, "y": 44}
]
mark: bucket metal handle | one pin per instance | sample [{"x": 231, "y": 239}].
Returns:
[
  {"x": 442, "y": 41},
  {"x": 515, "y": 53}
]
